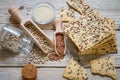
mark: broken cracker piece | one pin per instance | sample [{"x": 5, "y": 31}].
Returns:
[
  {"x": 78, "y": 5},
  {"x": 104, "y": 66},
  {"x": 74, "y": 71},
  {"x": 67, "y": 15}
]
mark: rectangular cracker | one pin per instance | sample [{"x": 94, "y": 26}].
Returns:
[
  {"x": 90, "y": 16},
  {"x": 86, "y": 37},
  {"x": 74, "y": 71},
  {"x": 93, "y": 16},
  {"x": 78, "y": 5},
  {"x": 104, "y": 66},
  {"x": 108, "y": 45},
  {"x": 67, "y": 15}
]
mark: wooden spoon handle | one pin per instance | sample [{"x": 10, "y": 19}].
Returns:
[
  {"x": 16, "y": 13},
  {"x": 58, "y": 23}
]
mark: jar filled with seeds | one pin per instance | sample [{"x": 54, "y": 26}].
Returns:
[{"x": 14, "y": 39}]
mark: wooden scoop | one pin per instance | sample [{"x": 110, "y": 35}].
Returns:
[
  {"x": 59, "y": 37},
  {"x": 15, "y": 12}
]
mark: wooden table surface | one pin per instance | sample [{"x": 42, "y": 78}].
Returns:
[{"x": 12, "y": 70}]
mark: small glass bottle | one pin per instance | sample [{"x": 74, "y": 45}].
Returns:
[{"x": 15, "y": 40}]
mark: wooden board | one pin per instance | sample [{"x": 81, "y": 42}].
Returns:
[
  {"x": 11, "y": 59},
  {"x": 108, "y": 8},
  {"x": 13, "y": 62},
  {"x": 46, "y": 74}
]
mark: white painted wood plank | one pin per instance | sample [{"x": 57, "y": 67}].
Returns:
[
  {"x": 109, "y": 8},
  {"x": 46, "y": 74},
  {"x": 106, "y": 8},
  {"x": 104, "y": 4},
  {"x": 101, "y": 4}
]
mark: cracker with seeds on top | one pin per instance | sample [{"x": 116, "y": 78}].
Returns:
[
  {"x": 78, "y": 5},
  {"x": 67, "y": 15},
  {"x": 104, "y": 67},
  {"x": 74, "y": 71},
  {"x": 90, "y": 16},
  {"x": 86, "y": 37},
  {"x": 108, "y": 45}
]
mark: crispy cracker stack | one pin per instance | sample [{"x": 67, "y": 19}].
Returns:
[{"x": 91, "y": 33}]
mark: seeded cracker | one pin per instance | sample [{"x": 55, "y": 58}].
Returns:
[
  {"x": 78, "y": 5},
  {"x": 104, "y": 66},
  {"x": 74, "y": 71},
  {"x": 86, "y": 37},
  {"x": 67, "y": 15},
  {"x": 93, "y": 16},
  {"x": 108, "y": 45},
  {"x": 90, "y": 16}
]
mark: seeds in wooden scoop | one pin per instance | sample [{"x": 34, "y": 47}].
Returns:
[
  {"x": 60, "y": 45},
  {"x": 46, "y": 48}
]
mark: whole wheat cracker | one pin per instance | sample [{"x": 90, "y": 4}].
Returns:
[
  {"x": 67, "y": 15},
  {"x": 86, "y": 37},
  {"x": 104, "y": 66},
  {"x": 78, "y": 5},
  {"x": 108, "y": 45},
  {"x": 74, "y": 71}
]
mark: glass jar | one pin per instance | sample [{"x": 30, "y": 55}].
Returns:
[{"x": 15, "y": 40}]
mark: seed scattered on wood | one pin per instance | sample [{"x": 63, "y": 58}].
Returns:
[{"x": 36, "y": 56}]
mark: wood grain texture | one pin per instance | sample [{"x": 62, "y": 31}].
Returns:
[
  {"x": 11, "y": 59},
  {"x": 53, "y": 70},
  {"x": 46, "y": 74},
  {"x": 108, "y": 8}
]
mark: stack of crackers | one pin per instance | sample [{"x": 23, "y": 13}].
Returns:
[{"x": 92, "y": 34}]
